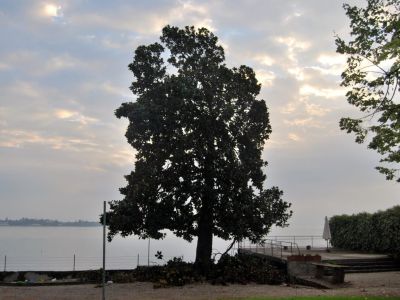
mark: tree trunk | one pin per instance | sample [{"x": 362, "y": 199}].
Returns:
[
  {"x": 205, "y": 239},
  {"x": 206, "y": 214},
  {"x": 206, "y": 222}
]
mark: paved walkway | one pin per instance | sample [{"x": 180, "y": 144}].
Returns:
[
  {"x": 377, "y": 284},
  {"x": 333, "y": 254}
]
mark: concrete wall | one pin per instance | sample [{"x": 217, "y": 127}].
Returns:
[{"x": 298, "y": 265}]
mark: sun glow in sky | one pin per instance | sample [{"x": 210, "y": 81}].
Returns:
[
  {"x": 52, "y": 10},
  {"x": 65, "y": 114}
]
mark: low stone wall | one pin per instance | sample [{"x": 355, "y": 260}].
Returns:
[
  {"x": 52, "y": 276},
  {"x": 300, "y": 265}
]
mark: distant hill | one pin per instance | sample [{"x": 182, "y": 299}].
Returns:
[{"x": 47, "y": 222}]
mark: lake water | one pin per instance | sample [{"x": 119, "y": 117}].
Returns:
[{"x": 53, "y": 248}]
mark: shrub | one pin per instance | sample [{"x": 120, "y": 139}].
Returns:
[
  {"x": 243, "y": 269},
  {"x": 229, "y": 269},
  {"x": 377, "y": 232},
  {"x": 175, "y": 273}
]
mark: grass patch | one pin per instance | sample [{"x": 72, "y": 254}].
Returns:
[{"x": 325, "y": 298}]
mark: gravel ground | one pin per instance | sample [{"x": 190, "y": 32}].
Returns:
[{"x": 379, "y": 284}]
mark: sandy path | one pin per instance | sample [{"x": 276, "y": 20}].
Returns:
[{"x": 379, "y": 284}]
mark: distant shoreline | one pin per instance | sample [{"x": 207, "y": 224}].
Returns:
[
  {"x": 26, "y": 222},
  {"x": 5, "y": 225}
]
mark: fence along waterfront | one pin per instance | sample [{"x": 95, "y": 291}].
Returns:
[{"x": 76, "y": 263}]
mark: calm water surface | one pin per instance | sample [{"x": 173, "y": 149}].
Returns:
[{"x": 53, "y": 248}]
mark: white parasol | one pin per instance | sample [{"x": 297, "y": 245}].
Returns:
[{"x": 327, "y": 232}]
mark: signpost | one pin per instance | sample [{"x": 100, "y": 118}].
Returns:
[{"x": 104, "y": 250}]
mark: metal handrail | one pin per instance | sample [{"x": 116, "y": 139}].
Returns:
[
  {"x": 272, "y": 243},
  {"x": 280, "y": 243}
]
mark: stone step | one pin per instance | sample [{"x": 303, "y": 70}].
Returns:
[
  {"x": 368, "y": 265},
  {"x": 375, "y": 266},
  {"x": 362, "y": 261},
  {"x": 372, "y": 270}
]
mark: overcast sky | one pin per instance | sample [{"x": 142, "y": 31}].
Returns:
[{"x": 63, "y": 72}]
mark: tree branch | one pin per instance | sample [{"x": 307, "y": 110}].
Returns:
[{"x": 230, "y": 247}]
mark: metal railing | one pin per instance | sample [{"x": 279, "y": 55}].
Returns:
[
  {"x": 76, "y": 262},
  {"x": 271, "y": 247},
  {"x": 280, "y": 245},
  {"x": 301, "y": 240}
]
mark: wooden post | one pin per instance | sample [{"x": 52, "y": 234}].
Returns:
[
  {"x": 5, "y": 263},
  {"x": 74, "y": 264}
]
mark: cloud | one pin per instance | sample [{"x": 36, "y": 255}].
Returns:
[
  {"x": 200, "y": 16},
  {"x": 113, "y": 89},
  {"x": 94, "y": 155},
  {"x": 113, "y": 44},
  {"x": 146, "y": 22},
  {"x": 299, "y": 122},
  {"x": 37, "y": 63},
  {"x": 122, "y": 157},
  {"x": 108, "y": 88},
  {"x": 19, "y": 138},
  {"x": 294, "y": 46},
  {"x": 316, "y": 110},
  {"x": 294, "y": 137},
  {"x": 329, "y": 59},
  {"x": 292, "y": 16},
  {"x": 265, "y": 60},
  {"x": 14, "y": 138},
  {"x": 3, "y": 114},
  {"x": 74, "y": 116},
  {"x": 19, "y": 58},
  {"x": 289, "y": 108},
  {"x": 61, "y": 62},
  {"x": 265, "y": 77},
  {"x": 308, "y": 90},
  {"x": 297, "y": 72},
  {"x": 25, "y": 89},
  {"x": 330, "y": 64},
  {"x": 4, "y": 66}
]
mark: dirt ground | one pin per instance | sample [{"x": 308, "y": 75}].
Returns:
[{"x": 379, "y": 284}]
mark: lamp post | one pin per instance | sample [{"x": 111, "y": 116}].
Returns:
[{"x": 104, "y": 250}]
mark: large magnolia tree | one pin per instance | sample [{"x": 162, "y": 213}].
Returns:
[{"x": 199, "y": 132}]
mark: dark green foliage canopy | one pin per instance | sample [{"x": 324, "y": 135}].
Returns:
[
  {"x": 199, "y": 132},
  {"x": 373, "y": 73}
]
